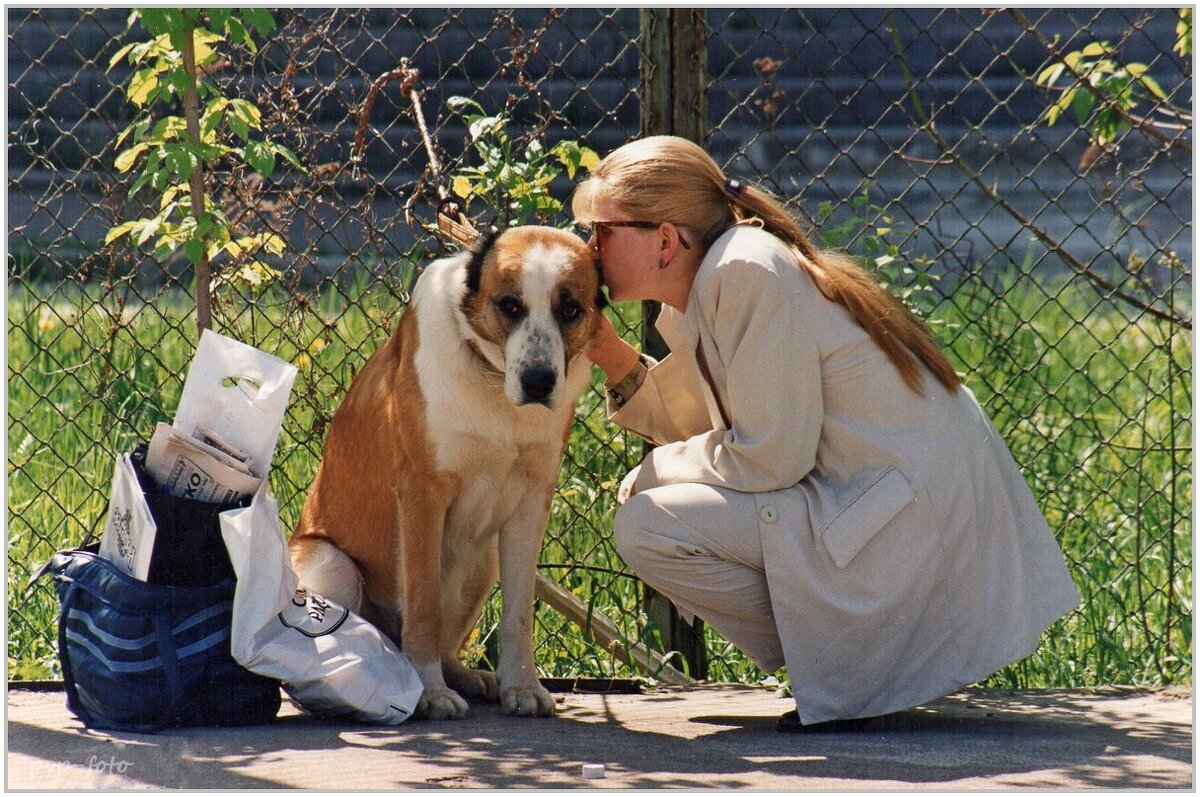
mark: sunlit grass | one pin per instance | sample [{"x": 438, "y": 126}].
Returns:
[{"x": 1095, "y": 408}]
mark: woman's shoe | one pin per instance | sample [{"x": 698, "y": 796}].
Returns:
[{"x": 790, "y": 723}]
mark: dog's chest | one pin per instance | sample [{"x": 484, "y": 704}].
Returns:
[{"x": 493, "y": 483}]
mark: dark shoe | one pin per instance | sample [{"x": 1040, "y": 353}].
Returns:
[{"x": 790, "y": 723}]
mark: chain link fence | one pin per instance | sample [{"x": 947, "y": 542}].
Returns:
[{"x": 1056, "y": 268}]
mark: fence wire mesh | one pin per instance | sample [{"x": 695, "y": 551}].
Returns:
[{"x": 1056, "y": 267}]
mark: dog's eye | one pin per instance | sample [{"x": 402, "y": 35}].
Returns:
[
  {"x": 510, "y": 308},
  {"x": 569, "y": 311}
]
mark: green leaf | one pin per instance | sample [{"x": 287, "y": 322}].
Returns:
[
  {"x": 137, "y": 128},
  {"x": 589, "y": 159},
  {"x": 1082, "y": 105},
  {"x": 146, "y": 228},
  {"x": 118, "y": 231},
  {"x": 243, "y": 117},
  {"x": 179, "y": 81},
  {"x": 142, "y": 85},
  {"x": 1096, "y": 48},
  {"x": 239, "y": 35},
  {"x": 180, "y": 161},
  {"x": 1139, "y": 72},
  {"x": 120, "y": 54},
  {"x": 1183, "y": 33},
  {"x": 288, "y": 155},
  {"x": 126, "y": 159},
  {"x": 194, "y": 249},
  {"x": 1050, "y": 74},
  {"x": 484, "y": 125},
  {"x": 1060, "y": 105},
  {"x": 213, "y": 112},
  {"x": 218, "y": 18},
  {"x": 260, "y": 19},
  {"x": 260, "y": 157},
  {"x": 157, "y": 20},
  {"x": 458, "y": 104}
]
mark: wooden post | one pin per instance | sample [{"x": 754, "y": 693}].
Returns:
[{"x": 674, "y": 75}]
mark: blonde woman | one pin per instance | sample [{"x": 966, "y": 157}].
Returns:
[{"x": 823, "y": 491}]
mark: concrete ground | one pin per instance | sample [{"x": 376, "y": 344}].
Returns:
[{"x": 708, "y": 737}]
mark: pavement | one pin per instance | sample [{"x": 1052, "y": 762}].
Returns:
[{"x": 711, "y": 737}]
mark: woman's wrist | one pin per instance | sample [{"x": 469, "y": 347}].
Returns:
[{"x": 614, "y": 356}]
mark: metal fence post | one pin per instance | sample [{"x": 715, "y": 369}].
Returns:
[{"x": 673, "y": 77}]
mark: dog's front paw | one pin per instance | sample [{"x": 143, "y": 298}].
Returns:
[
  {"x": 526, "y": 700},
  {"x": 470, "y": 683},
  {"x": 440, "y": 703}
]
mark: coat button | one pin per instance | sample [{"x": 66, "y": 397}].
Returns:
[{"x": 768, "y": 514}]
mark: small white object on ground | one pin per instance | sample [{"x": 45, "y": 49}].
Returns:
[{"x": 593, "y": 771}]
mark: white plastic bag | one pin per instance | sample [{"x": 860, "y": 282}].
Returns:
[
  {"x": 238, "y": 392},
  {"x": 331, "y": 661},
  {"x": 130, "y": 530}
]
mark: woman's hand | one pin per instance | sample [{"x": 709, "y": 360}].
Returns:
[
  {"x": 628, "y": 489},
  {"x": 616, "y": 357}
]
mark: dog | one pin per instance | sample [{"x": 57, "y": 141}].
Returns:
[{"x": 441, "y": 461}]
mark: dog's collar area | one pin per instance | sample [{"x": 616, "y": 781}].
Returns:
[{"x": 483, "y": 362}]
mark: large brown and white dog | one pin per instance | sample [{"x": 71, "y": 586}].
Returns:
[{"x": 441, "y": 462}]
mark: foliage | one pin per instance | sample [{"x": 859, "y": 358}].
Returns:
[
  {"x": 514, "y": 175},
  {"x": 873, "y": 236},
  {"x": 228, "y": 131},
  {"x": 1104, "y": 92},
  {"x": 1183, "y": 33}
]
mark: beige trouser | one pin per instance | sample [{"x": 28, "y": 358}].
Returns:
[{"x": 699, "y": 545}]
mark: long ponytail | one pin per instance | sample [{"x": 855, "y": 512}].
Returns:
[{"x": 671, "y": 179}]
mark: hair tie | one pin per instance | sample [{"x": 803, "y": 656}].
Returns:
[{"x": 733, "y": 189}]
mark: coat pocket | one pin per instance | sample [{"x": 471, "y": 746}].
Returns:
[{"x": 862, "y": 517}]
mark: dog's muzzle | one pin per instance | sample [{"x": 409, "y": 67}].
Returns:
[{"x": 537, "y": 383}]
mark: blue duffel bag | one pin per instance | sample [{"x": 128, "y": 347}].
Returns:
[{"x": 143, "y": 657}]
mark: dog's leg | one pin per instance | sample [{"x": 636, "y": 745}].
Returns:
[
  {"x": 520, "y": 544},
  {"x": 422, "y": 525},
  {"x": 460, "y": 612}
]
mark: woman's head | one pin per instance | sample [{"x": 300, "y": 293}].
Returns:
[{"x": 658, "y": 179}]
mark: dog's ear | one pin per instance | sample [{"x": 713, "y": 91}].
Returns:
[
  {"x": 601, "y": 299},
  {"x": 479, "y": 251}
]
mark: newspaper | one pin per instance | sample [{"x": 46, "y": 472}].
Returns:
[{"x": 187, "y": 467}]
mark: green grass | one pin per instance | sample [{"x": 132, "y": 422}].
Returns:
[{"x": 1095, "y": 408}]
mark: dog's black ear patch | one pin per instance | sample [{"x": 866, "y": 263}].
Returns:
[{"x": 478, "y": 252}]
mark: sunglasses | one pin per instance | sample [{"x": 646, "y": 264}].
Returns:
[{"x": 601, "y": 228}]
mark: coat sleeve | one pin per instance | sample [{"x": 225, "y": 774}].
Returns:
[
  {"x": 772, "y": 366},
  {"x": 667, "y": 407}
]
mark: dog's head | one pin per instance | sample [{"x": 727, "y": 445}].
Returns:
[{"x": 533, "y": 293}]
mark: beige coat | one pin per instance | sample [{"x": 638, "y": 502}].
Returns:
[{"x": 905, "y": 555}]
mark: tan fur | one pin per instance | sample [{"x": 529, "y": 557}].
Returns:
[{"x": 433, "y": 481}]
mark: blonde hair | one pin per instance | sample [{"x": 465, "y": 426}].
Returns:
[{"x": 671, "y": 179}]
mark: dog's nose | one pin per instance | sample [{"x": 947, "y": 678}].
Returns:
[{"x": 537, "y": 382}]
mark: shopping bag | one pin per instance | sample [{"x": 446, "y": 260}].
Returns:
[
  {"x": 143, "y": 657},
  {"x": 330, "y": 660}
]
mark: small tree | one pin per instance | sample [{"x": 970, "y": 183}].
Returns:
[{"x": 178, "y": 153}]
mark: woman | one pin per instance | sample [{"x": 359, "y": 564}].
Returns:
[{"x": 823, "y": 490}]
